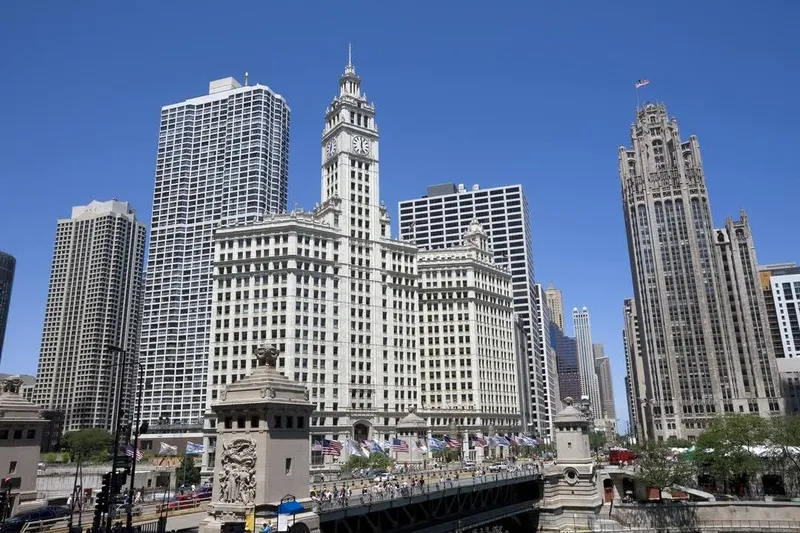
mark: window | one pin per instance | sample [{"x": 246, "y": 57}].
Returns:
[
  {"x": 31, "y": 434},
  {"x": 278, "y": 421},
  {"x": 12, "y": 467},
  {"x": 17, "y": 434},
  {"x": 288, "y": 466}
]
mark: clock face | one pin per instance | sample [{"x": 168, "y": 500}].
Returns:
[
  {"x": 331, "y": 148},
  {"x": 361, "y": 145}
]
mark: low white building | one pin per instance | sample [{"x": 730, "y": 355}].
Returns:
[{"x": 468, "y": 363}]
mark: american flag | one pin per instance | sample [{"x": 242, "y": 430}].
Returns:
[
  {"x": 451, "y": 443},
  {"x": 642, "y": 82},
  {"x": 331, "y": 447},
  {"x": 399, "y": 445},
  {"x": 129, "y": 451}
]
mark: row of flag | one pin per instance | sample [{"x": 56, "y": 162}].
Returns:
[
  {"x": 366, "y": 448},
  {"x": 363, "y": 448},
  {"x": 165, "y": 449}
]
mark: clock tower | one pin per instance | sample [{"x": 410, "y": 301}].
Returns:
[{"x": 350, "y": 157}]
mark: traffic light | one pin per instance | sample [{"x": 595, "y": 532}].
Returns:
[
  {"x": 119, "y": 482},
  {"x": 101, "y": 505}
]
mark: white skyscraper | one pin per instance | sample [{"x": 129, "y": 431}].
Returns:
[
  {"x": 441, "y": 218},
  {"x": 94, "y": 302},
  {"x": 583, "y": 340},
  {"x": 221, "y": 157},
  {"x": 329, "y": 288}
]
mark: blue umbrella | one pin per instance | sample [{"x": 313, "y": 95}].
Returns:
[{"x": 290, "y": 507}]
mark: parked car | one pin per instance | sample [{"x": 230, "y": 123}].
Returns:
[
  {"x": 178, "y": 503},
  {"x": 122, "y": 510},
  {"x": 50, "y": 514},
  {"x": 498, "y": 467},
  {"x": 203, "y": 493},
  {"x": 383, "y": 476},
  {"x": 470, "y": 465}
]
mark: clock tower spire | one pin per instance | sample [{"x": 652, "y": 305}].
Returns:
[
  {"x": 350, "y": 158},
  {"x": 350, "y": 83}
]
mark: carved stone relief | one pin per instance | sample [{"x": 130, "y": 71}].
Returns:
[{"x": 237, "y": 481}]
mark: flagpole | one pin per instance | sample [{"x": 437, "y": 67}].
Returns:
[{"x": 637, "y": 94}]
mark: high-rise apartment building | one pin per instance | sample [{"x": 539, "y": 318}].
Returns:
[
  {"x": 329, "y": 288},
  {"x": 569, "y": 374},
  {"x": 7, "y": 265},
  {"x": 547, "y": 347},
  {"x": 605, "y": 385},
  {"x": 781, "y": 288},
  {"x": 439, "y": 220},
  {"x": 221, "y": 157},
  {"x": 94, "y": 302},
  {"x": 467, "y": 364},
  {"x": 640, "y": 423},
  {"x": 583, "y": 341},
  {"x": 695, "y": 287},
  {"x": 555, "y": 301}
]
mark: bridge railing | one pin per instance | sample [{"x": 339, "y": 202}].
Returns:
[
  {"x": 716, "y": 526},
  {"x": 387, "y": 491}
]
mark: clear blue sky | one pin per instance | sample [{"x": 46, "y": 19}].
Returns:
[{"x": 538, "y": 93}]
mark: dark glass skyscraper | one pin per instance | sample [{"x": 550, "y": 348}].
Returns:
[{"x": 7, "y": 265}]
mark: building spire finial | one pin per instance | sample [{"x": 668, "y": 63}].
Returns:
[{"x": 350, "y": 54}]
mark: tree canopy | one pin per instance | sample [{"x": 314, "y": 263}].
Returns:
[
  {"x": 660, "y": 468},
  {"x": 187, "y": 474},
  {"x": 378, "y": 461},
  {"x": 723, "y": 451},
  {"x": 87, "y": 444}
]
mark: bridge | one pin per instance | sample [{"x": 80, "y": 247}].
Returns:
[{"x": 460, "y": 504}]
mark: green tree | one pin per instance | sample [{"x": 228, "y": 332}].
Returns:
[
  {"x": 785, "y": 438},
  {"x": 381, "y": 461},
  {"x": 355, "y": 462},
  {"x": 187, "y": 474},
  {"x": 723, "y": 450},
  {"x": 597, "y": 440},
  {"x": 87, "y": 444},
  {"x": 660, "y": 468}
]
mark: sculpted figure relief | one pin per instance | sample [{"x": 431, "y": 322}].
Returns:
[
  {"x": 237, "y": 481},
  {"x": 267, "y": 355},
  {"x": 12, "y": 384}
]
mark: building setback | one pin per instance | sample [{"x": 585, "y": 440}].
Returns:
[
  {"x": 555, "y": 301},
  {"x": 221, "y": 157},
  {"x": 7, "y": 265},
  {"x": 94, "y": 302},
  {"x": 329, "y": 288},
  {"x": 605, "y": 385},
  {"x": 468, "y": 365},
  {"x": 583, "y": 341},
  {"x": 547, "y": 347},
  {"x": 699, "y": 310},
  {"x": 640, "y": 423},
  {"x": 439, "y": 220},
  {"x": 781, "y": 289}
]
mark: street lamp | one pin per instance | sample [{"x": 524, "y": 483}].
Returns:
[
  {"x": 141, "y": 427},
  {"x": 118, "y": 424},
  {"x": 138, "y": 429}
]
